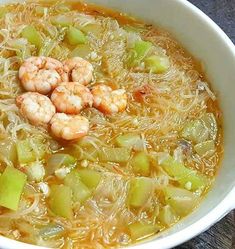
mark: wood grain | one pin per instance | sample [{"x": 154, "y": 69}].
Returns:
[{"x": 222, "y": 234}]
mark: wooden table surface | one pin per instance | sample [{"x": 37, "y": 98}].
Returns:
[{"x": 222, "y": 234}]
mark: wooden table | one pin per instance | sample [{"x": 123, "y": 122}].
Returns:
[{"x": 222, "y": 234}]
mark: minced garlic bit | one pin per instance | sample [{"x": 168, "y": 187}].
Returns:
[
  {"x": 188, "y": 185},
  {"x": 62, "y": 172},
  {"x": 44, "y": 188}
]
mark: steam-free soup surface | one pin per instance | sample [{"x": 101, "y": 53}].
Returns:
[{"x": 137, "y": 172}]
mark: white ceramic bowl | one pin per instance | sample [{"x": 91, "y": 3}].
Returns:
[{"x": 207, "y": 42}]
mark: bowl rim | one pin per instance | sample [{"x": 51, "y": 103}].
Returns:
[{"x": 217, "y": 213}]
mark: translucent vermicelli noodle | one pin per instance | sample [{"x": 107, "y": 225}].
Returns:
[{"x": 138, "y": 171}]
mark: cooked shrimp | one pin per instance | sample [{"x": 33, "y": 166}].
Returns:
[
  {"x": 79, "y": 70},
  {"x": 41, "y": 74},
  {"x": 109, "y": 101},
  {"x": 71, "y": 97},
  {"x": 36, "y": 107},
  {"x": 69, "y": 127}
]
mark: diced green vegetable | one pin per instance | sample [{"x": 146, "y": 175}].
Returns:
[
  {"x": 75, "y": 36},
  {"x": 157, "y": 64},
  {"x": 39, "y": 144},
  {"x": 32, "y": 35},
  {"x": 181, "y": 200},
  {"x": 86, "y": 152},
  {"x": 25, "y": 151},
  {"x": 209, "y": 121},
  {"x": 140, "y": 50},
  {"x": 39, "y": 10},
  {"x": 141, "y": 164},
  {"x": 3, "y": 11},
  {"x": 94, "y": 29},
  {"x": 8, "y": 153},
  {"x": 82, "y": 50},
  {"x": 205, "y": 149},
  {"x": 140, "y": 231},
  {"x": 118, "y": 155},
  {"x": 89, "y": 177},
  {"x": 61, "y": 21},
  {"x": 51, "y": 230},
  {"x": 129, "y": 140},
  {"x": 195, "y": 131},
  {"x": 140, "y": 191},
  {"x": 167, "y": 216},
  {"x": 80, "y": 191},
  {"x": 12, "y": 182},
  {"x": 201, "y": 129},
  {"x": 58, "y": 160},
  {"x": 60, "y": 201},
  {"x": 184, "y": 175}
]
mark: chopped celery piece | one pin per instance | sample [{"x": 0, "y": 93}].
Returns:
[
  {"x": 94, "y": 29},
  {"x": 184, "y": 175},
  {"x": 157, "y": 64},
  {"x": 82, "y": 50},
  {"x": 51, "y": 230},
  {"x": 167, "y": 216},
  {"x": 118, "y": 155},
  {"x": 80, "y": 191},
  {"x": 3, "y": 11},
  {"x": 39, "y": 10},
  {"x": 8, "y": 153},
  {"x": 32, "y": 35},
  {"x": 139, "y": 51},
  {"x": 181, "y": 200},
  {"x": 60, "y": 201},
  {"x": 140, "y": 231},
  {"x": 58, "y": 160},
  {"x": 129, "y": 140},
  {"x": 12, "y": 182},
  {"x": 140, "y": 163},
  {"x": 61, "y": 20},
  {"x": 75, "y": 36},
  {"x": 210, "y": 122},
  {"x": 205, "y": 149},
  {"x": 25, "y": 152},
  {"x": 195, "y": 131},
  {"x": 89, "y": 177},
  {"x": 140, "y": 191}
]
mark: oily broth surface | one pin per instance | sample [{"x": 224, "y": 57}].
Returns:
[{"x": 170, "y": 100}]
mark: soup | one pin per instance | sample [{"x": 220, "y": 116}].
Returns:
[{"x": 110, "y": 132}]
